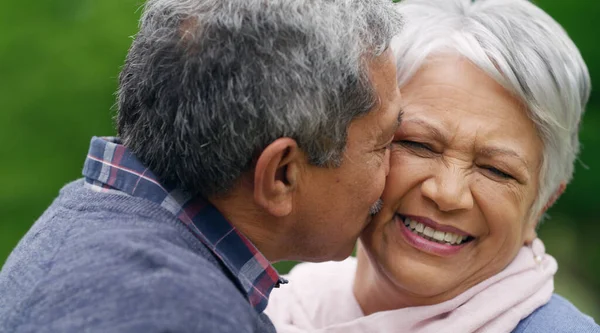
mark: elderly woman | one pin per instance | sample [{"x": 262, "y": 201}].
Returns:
[{"x": 494, "y": 92}]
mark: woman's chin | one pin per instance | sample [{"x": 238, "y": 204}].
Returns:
[
  {"x": 427, "y": 273},
  {"x": 422, "y": 277},
  {"x": 425, "y": 284}
]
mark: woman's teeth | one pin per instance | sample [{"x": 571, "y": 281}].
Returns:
[{"x": 432, "y": 234}]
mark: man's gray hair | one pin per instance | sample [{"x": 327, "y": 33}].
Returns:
[
  {"x": 523, "y": 49},
  {"x": 208, "y": 84}
]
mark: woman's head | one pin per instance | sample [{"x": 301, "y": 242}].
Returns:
[
  {"x": 522, "y": 48},
  {"x": 493, "y": 91}
]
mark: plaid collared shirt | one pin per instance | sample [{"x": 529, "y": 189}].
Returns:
[{"x": 110, "y": 167}]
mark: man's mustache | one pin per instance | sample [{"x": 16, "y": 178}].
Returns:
[{"x": 376, "y": 207}]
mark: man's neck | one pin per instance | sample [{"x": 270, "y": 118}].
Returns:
[{"x": 262, "y": 229}]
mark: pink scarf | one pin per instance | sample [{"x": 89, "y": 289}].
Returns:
[{"x": 319, "y": 298}]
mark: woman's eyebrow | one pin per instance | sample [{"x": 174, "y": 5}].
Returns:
[
  {"x": 391, "y": 130},
  {"x": 428, "y": 126},
  {"x": 495, "y": 151},
  {"x": 399, "y": 121}
]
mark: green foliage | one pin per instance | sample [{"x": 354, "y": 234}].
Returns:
[
  {"x": 58, "y": 69},
  {"x": 58, "y": 66}
]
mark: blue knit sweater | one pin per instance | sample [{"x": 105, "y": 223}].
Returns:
[{"x": 97, "y": 262}]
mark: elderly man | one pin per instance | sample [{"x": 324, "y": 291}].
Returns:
[{"x": 250, "y": 131}]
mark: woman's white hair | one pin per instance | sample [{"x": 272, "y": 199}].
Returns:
[{"x": 524, "y": 50}]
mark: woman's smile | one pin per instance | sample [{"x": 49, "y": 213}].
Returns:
[{"x": 427, "y": 236}]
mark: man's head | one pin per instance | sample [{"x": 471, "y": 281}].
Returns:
[{"x": 216, "y": 92}]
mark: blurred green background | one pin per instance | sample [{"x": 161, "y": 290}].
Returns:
[{"x": 59, "y": 62}]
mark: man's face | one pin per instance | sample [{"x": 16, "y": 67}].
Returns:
[{"x": 334, "y": 204}]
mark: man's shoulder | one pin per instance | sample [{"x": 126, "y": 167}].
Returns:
[
  {"x": 558, "y": 315},
  {"x": 129, "y": 286},
  {"x": 126, "y": 275},
  {"x": 157, "y": 300},
  {"x": 157, "y": 270}
]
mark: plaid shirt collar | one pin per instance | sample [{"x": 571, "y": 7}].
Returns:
[{"x": 110, "y": 167}]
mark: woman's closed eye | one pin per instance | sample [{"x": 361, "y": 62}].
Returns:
[
  {"x": 415, "y": 145},
  {"x": 497, "y": 172}
]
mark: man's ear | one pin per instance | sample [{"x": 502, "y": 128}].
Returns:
[{"x": 276, "y": 176}]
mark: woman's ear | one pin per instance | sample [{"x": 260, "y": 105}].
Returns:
[
  {"x": 559, "y": 191},
  {"x": 530, "y": 231},
  {"x": 275, "y": 176}
]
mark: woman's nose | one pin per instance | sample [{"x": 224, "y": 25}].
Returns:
[{"x": 448, "y": 189}]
